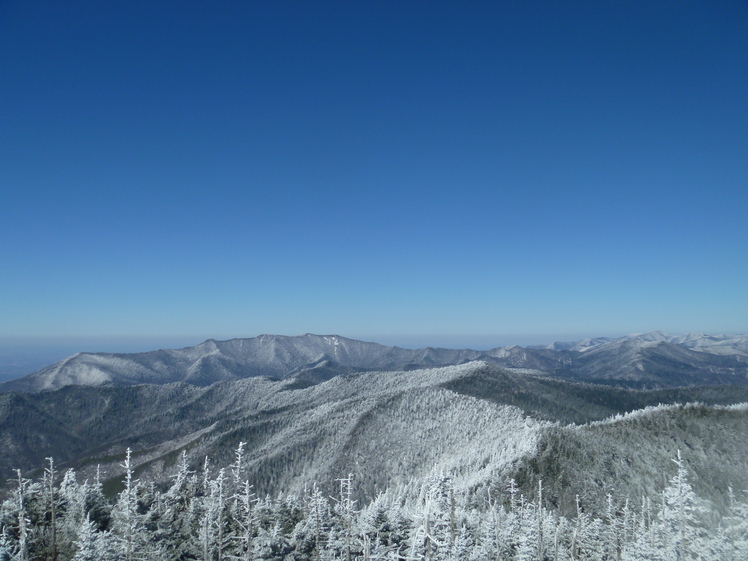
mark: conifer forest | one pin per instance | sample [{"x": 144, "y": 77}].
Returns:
[
  {"x": 373, "y": 280},
  {"x": 477, "y": 461},
  {"x": 214, "y": 515}
]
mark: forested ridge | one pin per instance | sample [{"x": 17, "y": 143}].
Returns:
[
  {"x": 461, "y": 462},
  {"x": 296, "y": 434}
]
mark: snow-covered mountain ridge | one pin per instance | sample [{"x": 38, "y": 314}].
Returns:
[
  {"x": 715, "y": 344},
  {"x": 475, "y": 423},
  {"x": 642, "y": 360}
]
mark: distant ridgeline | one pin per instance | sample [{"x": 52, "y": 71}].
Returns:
[
  {"x": 651, "y": 360},
  {"x": 510, "y": 454}
]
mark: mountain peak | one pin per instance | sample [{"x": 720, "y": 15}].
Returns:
[{"x": 671, "y": 360}]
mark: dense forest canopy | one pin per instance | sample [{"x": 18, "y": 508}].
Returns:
[
  {"x": 214, "y": 514},
  {"x": 469, "y": 461}
]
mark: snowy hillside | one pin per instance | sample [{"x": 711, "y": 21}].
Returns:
[
  {"x": 646, "y": 360},
  {"x": 715, "y": 344},
  {"x": 472, "y": 455},
  {"x": 474, "y": 419}
]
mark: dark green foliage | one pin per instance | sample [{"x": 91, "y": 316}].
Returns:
[
  {"x": 631, "y": 456},
  {"x": 574, "y": 402}
]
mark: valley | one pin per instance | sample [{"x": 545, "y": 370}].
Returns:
[{"x": 307, "y": 411}]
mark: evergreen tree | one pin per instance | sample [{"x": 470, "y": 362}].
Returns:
[
  {"x": 462, "y": 546},
  {"x": 434, "y": 531},
  {"x": 50, "y": 501},
  {"x": 612, "y": 543},
  {"x": 129, "y": 519},
  {"x": 92, "y": 545},
  {"x": 683, "y": 516},
  {"x": 206, "y": 518},
  {"x": 22, "y": 553},
  {"x": 178, "y": 515},
  {"x": 6, "y": 546},
  {"x": 97, "y": 507},
  {"x": 735, "y": 532},
  {"x": 71, "y": 513},
  {"x": 528, "y": 538},
  {"x": 312, "y": 530},
  {"x": 341, "y": 535}
]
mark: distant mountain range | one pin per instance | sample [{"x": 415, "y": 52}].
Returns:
[
  {"x": 649, "y": 360},
  {"x": 713, "y": 344},
  {"x": 584, "y": 417}
]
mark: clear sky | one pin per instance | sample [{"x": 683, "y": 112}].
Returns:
[{"x": 394, "y": 171}]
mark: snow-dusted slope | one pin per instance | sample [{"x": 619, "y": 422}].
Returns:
[
  {"x": 657, "y": 359},
  {"x": 385, "y": 427},
  {"x": 715, "y": 344},
  {"x": 475, "y": 423},
  {"x": 319, "y": 357},
  {"x": 630, "y": 455},
  {"x": 657, "y": 363}
]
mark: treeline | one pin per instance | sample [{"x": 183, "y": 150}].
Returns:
[{"x": 213, "y": 515}]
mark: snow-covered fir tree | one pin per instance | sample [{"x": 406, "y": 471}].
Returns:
[{"x": 213, "y": 515}]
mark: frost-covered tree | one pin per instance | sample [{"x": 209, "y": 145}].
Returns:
[
  {"x": 246, "y": 520},
  {"x": 70, "y": 500},
  {"x": 212, "y": 534},
  {"x": 125, "y": 516},
  {"x": 130, "y": 516},
  {"x": 734, "y": 533},
  {"x": 646, "y": 537},
  {"x": 6, "y": 546},
  {"x": 178, "y": 517},
  {"x": 341, "y": 537},
  {"x": 97, "y": 507},
  {"x": 528, "y": 538},
  {"x": 612, "y": 538},
  {"x": 22, "y": 547},
  {"x": 312, "y": 530},
  {"x": 93, "y": 545},
  {"x": 463, "y": 545},
  {"x": 585, "y": 536},
  {"x": 434, "y": 531},
  {"x": 205, "y": 517},
  {"x": 386, "y": 526},
  {"x": 376, "y": 527},
  {"x": 50, "y": 500},
  {"x": 683, "y": 516}
]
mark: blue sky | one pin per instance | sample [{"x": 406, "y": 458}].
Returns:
[{"x": 408, "y": 172}]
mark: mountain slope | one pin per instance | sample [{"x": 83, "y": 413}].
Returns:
[
  {"x": 715, "y": 344},
  {"x": 273, "y": 356},
  {"x": 383, "y": 426},
  {"x": 474, "y": 421},
  {"x": 214, "y": 361},
  {"x": 642, "y": 363},
  {"x": 648, "y": 360},
  {"x": 631, "y": 456}
]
